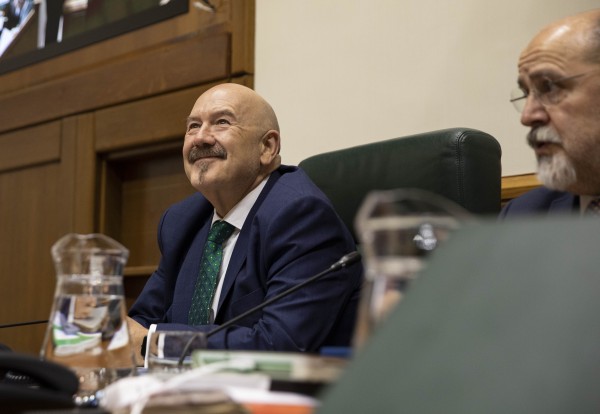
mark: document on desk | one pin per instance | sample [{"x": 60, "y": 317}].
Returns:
[{"x": 278, "y": 365}]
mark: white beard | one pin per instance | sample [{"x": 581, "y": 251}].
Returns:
[{"x": 556, "y": 171}]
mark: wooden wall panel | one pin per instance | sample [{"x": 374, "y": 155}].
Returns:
[
  {"x": 145, "y": 198},
  {"x": 243, "y": 18},
  {"x": 149, "y": 121},
  {"x": 79, "y": 173},
  {"x": 145, "y": 122},
  {"x": 138, "y": 187},
  {"x": 189, "y": 62},
  {"x": 34, "y": 211},
  {"x": 31, "y": 146},
  {"x": 516, "y": 185}
]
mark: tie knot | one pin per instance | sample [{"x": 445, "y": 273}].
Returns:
[
  {"x": 220, "y": 231},
  {"x": 593, "y": 208}
]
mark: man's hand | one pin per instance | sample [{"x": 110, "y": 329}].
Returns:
[{"x": 137, "y": 332}]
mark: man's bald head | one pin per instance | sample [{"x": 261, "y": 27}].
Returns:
[
  {"x": 251, "y": 103},
  {"x": 579, "y": 34}
]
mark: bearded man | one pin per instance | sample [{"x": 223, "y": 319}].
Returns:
[{"x": 559, "y": 99}]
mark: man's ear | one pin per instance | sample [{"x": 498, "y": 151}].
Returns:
[{"x": 270, "y": 147}]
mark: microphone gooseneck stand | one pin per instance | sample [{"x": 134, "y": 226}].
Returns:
[
  {"x": 345, "y": 261},
  {"x": 12, "y": 325}
]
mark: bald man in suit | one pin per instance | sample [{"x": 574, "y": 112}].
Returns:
[{"x": 285, "y": 230}]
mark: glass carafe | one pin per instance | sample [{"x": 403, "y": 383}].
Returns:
[
  {"x": 398, "y": 230},
  {"x": 87, "y": 327}
]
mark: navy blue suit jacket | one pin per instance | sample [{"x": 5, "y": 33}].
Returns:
[
  {"x": 541, "y": 201},
  {"x": 291, "y": 233}
]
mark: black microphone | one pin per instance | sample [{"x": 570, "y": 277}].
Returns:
[
  {"x": 12, "y": 325},
  {"x": 345, "y": 261}
]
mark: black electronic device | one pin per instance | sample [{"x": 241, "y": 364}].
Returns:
[{"x": 29, "y": 383}]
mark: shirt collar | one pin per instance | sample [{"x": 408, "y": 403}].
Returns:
[
  {"x": 584, "y": 200},
  {"x": 237, "y": 215}
]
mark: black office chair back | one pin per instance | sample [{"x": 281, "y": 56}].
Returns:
[{"x": 460, "y": 164}]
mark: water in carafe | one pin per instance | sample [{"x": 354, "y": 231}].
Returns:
[{"x": 87, "y": 328}]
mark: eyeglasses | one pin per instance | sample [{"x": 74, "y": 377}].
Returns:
[{"x": 545, "y": 90}]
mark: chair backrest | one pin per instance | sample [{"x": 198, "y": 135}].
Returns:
[{"x": 460, "y": 164}]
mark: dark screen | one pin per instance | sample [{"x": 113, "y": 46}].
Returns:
[{"x": 32, "y": 32}]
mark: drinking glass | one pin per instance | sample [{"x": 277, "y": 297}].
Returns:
[
  {"x": 398, "y": 230},
  {"x": 87, "y": 329}
]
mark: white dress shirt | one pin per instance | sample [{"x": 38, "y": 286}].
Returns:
[{"x": 236, "y": 217}]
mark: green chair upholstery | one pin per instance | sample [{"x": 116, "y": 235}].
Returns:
[{"x": 460, "y": 164}]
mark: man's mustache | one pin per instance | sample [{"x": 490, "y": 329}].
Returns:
[
  {"x": 543, "y": 134},
  {"x": 197, "y": 153}
]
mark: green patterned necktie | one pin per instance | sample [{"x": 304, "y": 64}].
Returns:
[{"x": 209, "y": 270}]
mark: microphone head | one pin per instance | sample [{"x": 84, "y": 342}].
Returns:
[{"x": 346, "y": 260}]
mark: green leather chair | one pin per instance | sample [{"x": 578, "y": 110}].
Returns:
[{"x": 461, "y": 164}]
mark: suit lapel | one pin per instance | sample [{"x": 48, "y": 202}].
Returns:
[
  {"x": 240, "y": 251},
  {"x": 566, "y": 202}
]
